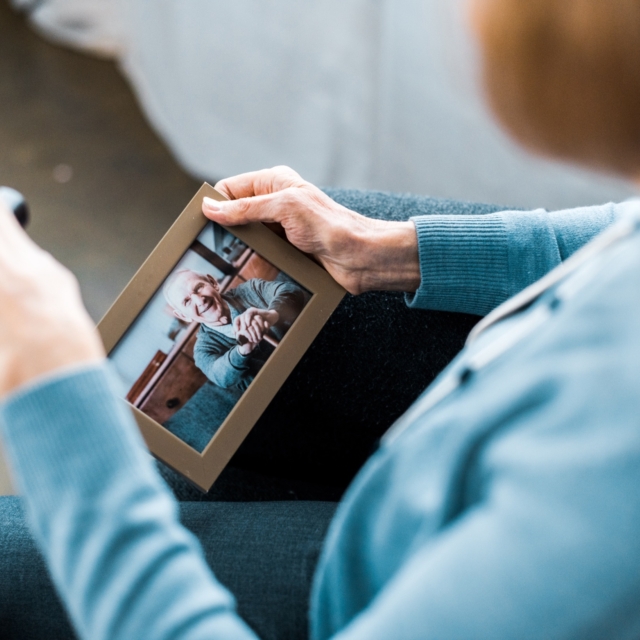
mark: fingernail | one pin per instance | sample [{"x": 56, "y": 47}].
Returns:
[{"x": 211, "y": 205}]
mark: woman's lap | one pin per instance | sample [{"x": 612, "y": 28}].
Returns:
[
  {"x": 29, "y": 607},
  {"x": 265, "y": 553}
]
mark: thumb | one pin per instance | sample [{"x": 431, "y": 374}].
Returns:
[
  {"x": 243, "y": 210},
  {"x": 14, "y": 242}
]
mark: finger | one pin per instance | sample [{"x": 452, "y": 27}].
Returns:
[
  {"x": 244, "y": 185},
  {"x": 18, "y": 253},
  {"x": 245, "y": 319},
  {"x": 258, "y": 183},
  {"x": 259, "y": 332},
  {"x": 12, "y": 236},
  {"x": 266, "y": 208}
]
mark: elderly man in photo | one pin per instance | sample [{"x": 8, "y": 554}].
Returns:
[{"x": 236, "y": 327}]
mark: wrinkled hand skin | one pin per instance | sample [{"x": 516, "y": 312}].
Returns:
[
  {"x": 360, "y": 253},
  {"x": 43, "y": 325}
]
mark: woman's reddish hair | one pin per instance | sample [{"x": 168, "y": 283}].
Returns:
[{"x": 563, "y": 76}]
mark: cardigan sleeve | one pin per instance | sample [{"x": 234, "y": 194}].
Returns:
[
  {"x": 105, "y": 522},
  {"x": 224, "y": 365},
  {"x": 473, "y": 263}
]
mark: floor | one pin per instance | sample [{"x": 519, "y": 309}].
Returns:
[{"x": 102, "y": 187}]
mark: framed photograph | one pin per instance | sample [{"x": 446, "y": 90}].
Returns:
[{"x": 208, "y": 330}]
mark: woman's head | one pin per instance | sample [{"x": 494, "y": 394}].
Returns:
[{"x": 563, "y": 76}]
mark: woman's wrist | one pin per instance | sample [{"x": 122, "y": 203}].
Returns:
[
  {"x": 43, "y": 357},
  {"x": 389, "y": 252}
]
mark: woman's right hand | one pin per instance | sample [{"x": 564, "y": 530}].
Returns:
[
  {"x": 360, "y": 253},
  {"x": 43, "y": 323}
]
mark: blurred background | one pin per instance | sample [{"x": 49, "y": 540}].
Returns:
[{"x": 112, "y": 112}]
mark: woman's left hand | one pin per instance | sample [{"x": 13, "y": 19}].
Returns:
[
  {"x": 361, "y": 254},
  {"x": 43, "y": 323}
]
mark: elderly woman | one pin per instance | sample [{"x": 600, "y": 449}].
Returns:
[{"x": 502, "y": 505}]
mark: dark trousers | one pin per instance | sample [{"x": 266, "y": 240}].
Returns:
[{"x": 263, "y": 522}]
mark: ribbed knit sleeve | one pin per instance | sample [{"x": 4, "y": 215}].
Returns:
[
  {"x": 473, "y": 263},
  {"x": 105, "y": 522}
]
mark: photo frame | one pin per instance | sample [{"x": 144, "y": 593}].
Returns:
[{"x": 250, "y": 249}]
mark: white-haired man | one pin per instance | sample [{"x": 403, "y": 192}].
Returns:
[{"x": 231, "y": 346}]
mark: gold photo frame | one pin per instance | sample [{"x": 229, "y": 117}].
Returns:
[{"x": 203, "y": 467}]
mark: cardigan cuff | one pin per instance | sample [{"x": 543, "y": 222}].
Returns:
[
  {"x": 473, "y": 263},
  {"x": 463, "y": 261}
]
